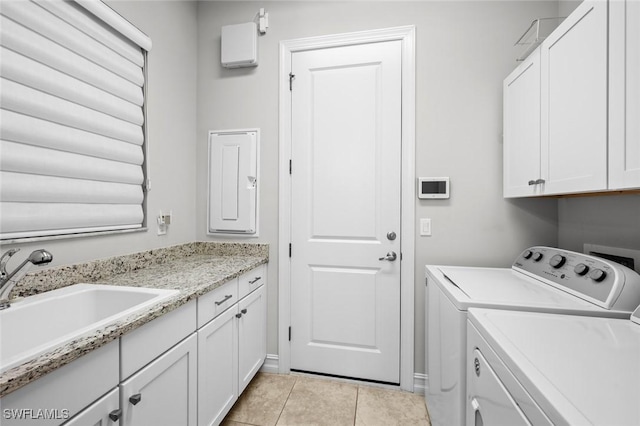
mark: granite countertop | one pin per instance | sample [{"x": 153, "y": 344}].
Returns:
[{"x": 192, "y": 272}]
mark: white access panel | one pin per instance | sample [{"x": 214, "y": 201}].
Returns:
[
  {"x": 233, "y": 179},
  {"x": 239, "y": 45}
]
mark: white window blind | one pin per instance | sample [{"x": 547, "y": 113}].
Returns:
[{"x": 72, "y": 119}]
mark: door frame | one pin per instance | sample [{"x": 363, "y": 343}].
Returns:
[{"x": 406, "y": 35}]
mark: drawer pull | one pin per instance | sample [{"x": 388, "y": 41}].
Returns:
[
  {"x": 238, "y": 315},
  {"x": 255, "y": 280},
  {"x": 244, "y": 311},
  {"x": 226, "y": 297},
  {"x": 115, "y": 415},
  {"x": 134, "y": 399}
]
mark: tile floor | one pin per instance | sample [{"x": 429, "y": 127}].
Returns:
[{"x": 274, "y": 399}]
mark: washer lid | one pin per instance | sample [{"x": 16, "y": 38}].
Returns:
[
  {"x": 505, "y": 288},
  {"x": 580, "y": 370}
]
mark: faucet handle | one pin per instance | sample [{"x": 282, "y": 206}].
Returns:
[{"x": 4, "y": 259}]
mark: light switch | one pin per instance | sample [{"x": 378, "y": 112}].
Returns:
[{"x": 425, "y": 227}]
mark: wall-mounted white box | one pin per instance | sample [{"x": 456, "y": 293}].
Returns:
[
  {"x": 239, "y": 45},
  {"x": 233, "y": 182}
]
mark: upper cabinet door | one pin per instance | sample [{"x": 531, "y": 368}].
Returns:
[
  {"x": 574, "y": 102},
  {"x": 521, "y": 92},
  {"x": 624, "y": 94}
]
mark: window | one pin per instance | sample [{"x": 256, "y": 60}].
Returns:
[{"x": 72, "y": 120}]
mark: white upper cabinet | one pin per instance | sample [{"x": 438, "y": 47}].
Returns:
[
  {"x": 586, "y": 137},
  {"x": 522, "y": 128},
  {"x": 574, "y": 102},
  {"x": 624, "y": 94}
]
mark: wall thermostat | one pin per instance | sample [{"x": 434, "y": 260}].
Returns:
[{"x": 433, "y": 187}]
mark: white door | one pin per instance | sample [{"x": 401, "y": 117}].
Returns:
[
  {"x": 252, "y": 336},
  {"x": 165, "y": 391},
  {"x": 574, "y": 102},
  {"x": 624, "y": 94},
  {"x": 345, "y": 211},
  {"x": 217, "y": 368},
  {"x": 521, "y": 100}
]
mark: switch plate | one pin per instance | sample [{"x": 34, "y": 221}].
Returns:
[{"x": 425, "y": 227}]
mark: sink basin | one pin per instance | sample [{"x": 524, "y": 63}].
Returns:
[{"x": 39, "y": 323}]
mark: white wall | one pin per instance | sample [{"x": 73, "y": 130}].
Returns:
[
  {"x": 612, "y": 220},
  {"x": 464, "y": 50},
  {"x": 171, "y": 129}
]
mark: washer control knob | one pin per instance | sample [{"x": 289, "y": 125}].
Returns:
[
  {"x": 527, "y": 254},
  {"x": 581, "y": 269},
  {"x": 557, "y": 261},
  {"x": 537, "y": 256},
  {"x": 598, "y": 275}
]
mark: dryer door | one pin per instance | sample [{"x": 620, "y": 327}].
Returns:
[{"x": 489, "y": 402}]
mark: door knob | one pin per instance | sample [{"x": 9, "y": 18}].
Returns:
[{"x": 391, "y": 256}]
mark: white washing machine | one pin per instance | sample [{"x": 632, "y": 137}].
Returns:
[
  {"x": 529, "y": 368},
  {"x": 541, "y": 279}
]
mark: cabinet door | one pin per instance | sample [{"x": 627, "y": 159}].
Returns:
[
  {"x": 521, "y": 93},
  {"x": 164, "y": 392},
  {"x": 252, "y": 335},
  {"x": 217, "y": 368},
  {"x": 574, "y": 102},
  {"x": 103, "y": 412},
  {"x": 624, "y": 95}
]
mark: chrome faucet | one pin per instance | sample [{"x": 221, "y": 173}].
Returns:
[{"x": 9, "y": 280}]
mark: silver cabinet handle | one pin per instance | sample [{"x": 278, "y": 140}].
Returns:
[
  {"x": 227, "y": 297},
  {"x": 255, "y": 280},
  {"x": 134, "y": 399},
  {"x": 539, "y": 181},
  {"x": 391, "y": 256},
  {"x": 115, "y": 415},
  {"x": 532, "y": 182}
]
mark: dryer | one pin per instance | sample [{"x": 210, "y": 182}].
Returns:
[
  {"x": 545, "y": 369},
  {"x": 541, "y": 279}
]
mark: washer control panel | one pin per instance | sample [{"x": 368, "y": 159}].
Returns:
[{"x": 577, "y": 273}]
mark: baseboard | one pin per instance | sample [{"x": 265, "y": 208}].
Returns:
[
  {"x": 271, "y": 365},
  {"x": 419, "y": 383}
]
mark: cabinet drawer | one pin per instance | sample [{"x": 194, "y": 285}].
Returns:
[
  {"x": 98, "y": 413},
  {"x": 217, "y": 301},
  {"x": 65, "y": 391},
  {"x": 146, "y": 343},
  {"x": 251, "y": 280}
]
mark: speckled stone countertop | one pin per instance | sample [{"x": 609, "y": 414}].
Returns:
[{"x": 194, "y": 269}]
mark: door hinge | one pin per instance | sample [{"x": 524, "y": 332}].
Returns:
[
  {"x": 291, "y": 77},
  {"x": 289, "y": 333},
  {"x": 289, "y": 249},
  {"x": 290, "y": 166}
]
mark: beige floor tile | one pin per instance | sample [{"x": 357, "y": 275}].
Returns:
[
  {"x": 320, "y": 402},
  {"x": 262, "y": 401},
  {"x": 232, "y": 423},
  {"x": 377, "y": 406}
]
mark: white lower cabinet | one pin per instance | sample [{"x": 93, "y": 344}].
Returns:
[
  {"x": 165, "y": 391},
  {"x": 167, "y": 372},
  {"x": 104, "y": 412},
  {"x": 217, "y": 368},
  {"x": 252, "y": 336},
  {"x": 231, "y": 349},
  {"x": 64, "y": 393}
]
